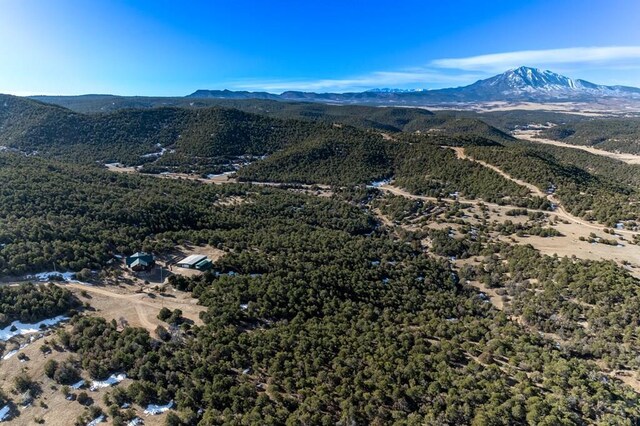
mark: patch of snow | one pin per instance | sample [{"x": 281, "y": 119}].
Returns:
[
  {"x": 379, "y": 183},
  {"x": 135, "y": 422},
  {"x": 66, "y": 277},
  {"x": 212, "y": 176},
  {"x": 46, "y": 276},
  {"x": 4, "y": 412},
  {"x": 96, "y": 421},
  {"x": 156, "y": 154},
  {"x": 158, "y": 409},
  {"x": 9, "y": 354},
  {"x": 6, "y": 333},
  {"x": 109, "y": 381},
  {"x": 78, "y": 385}
]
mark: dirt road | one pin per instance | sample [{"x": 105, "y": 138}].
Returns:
[
  {"x": 531, "y": 136},
  {"x": 534, "y": 189},
  {"x": 560, "y": 211}
]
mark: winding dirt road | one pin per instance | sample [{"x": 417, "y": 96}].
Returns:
[
  {"x": 560, "y": 211},
  {"x": 462, "y": 156},
  {"x": 532, "y": 136}
]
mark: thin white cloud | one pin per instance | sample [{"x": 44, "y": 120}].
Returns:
[
  {"x": 612, "y": 55},
  {"x": 449, "y": 72},
  {"x": 411, "y": 78}
]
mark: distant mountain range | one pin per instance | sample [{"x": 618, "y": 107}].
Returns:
[
  {"x": 522, "y": 84},
  {"x": 388, "y": 90},
  {"x": 516, "y": 85}
]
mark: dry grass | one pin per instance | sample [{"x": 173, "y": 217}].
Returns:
[
  {"x": 126, "y": 305},
  {"x": 51, "y": 405},
  {"x": 138, "y": 309},
  {"x": 570, "y": 227}
]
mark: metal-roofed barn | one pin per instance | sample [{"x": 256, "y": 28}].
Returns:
[{"x": 195, "y": 261}]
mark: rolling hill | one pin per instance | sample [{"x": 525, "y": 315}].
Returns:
[{"x": 139, "y": 136}]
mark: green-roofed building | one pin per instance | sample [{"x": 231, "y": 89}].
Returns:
[{"x": 140, "y": 261}]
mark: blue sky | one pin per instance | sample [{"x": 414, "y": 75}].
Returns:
[{"x": 171, "y": 48}]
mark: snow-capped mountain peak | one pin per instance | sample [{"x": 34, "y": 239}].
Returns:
[
  {"x": 526, "y": 79},
  {"x": 523, "y": 84},
  {"x": 526, "y": 83}
]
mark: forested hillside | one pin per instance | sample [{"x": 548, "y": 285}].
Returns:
[
  {"x": 334, "y": 327},
  {"x": 80, "y": 216},
  {"x": 332, "y": 305},
  {"x": 136, "y": 137},
  {"x": 590, "y": 305},
  {"x": 621, "y": 135},
  {"x": 327, "y": 317},
  {"x": 30, "y": 303},
  {"x": 387, "y": 119},
  {"x": 341, "y": 157},
  {"x": 588, "y": 186}
]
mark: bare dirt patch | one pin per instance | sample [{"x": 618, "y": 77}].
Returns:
[
  {"x": 137, "y": 309},
  {"x": 119, "y": 168}
]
